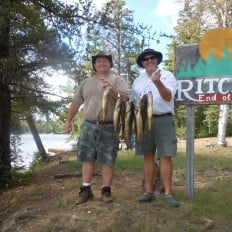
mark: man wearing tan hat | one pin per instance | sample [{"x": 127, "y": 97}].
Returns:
[{"x": 97, "y": 140}]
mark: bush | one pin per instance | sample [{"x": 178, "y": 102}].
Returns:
[{"x": 181, "y": 132}]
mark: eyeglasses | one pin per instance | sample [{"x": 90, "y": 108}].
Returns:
[{"x": 149, "y": 58}]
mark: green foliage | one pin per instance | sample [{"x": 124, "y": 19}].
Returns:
[
  {"x": 211, "y": 119},
  {"x": 181, "y": 132},
  {"x": 22, "y": 177},
  {"x": 180, "y": 116},
  {"x": 51, "y": 126},
  {"x": 77, "y": 121},
  {"x": 206, "y": 120}
]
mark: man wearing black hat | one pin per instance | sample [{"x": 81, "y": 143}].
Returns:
[
  {"x": 97, "y": 140},
  {"x": 162, "y": 138}
]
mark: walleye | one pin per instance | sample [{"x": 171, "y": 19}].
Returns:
[
  {"x": 149, "y": 109},
  {"x": 116, "y": 117},
  {"x": 143, "y": 103},
  {"x": 122, "y": 118},
  {"x": 139, "y": 121},
  {"x": 104, "y": 105},
  {"x": 128, "y": 123}
]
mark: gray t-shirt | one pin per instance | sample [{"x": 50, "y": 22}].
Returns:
[{"x": 90, "y": 94}]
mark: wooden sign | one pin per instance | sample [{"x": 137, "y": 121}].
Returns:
[{"x": 204, "y": 71}]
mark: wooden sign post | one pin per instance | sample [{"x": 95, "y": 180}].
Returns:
[
  {"x": 204, "y": 75},
  {"x": 190, "y": 151}
]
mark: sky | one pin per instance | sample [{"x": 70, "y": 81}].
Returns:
[{"x": 161, "y": 14}]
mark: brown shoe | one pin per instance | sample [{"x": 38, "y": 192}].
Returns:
[
  {"x": 85, "y": 195},
  {"x": 106, "y": 195}
]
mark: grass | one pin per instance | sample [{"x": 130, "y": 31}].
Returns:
[
  {"x": 216, "y": 198},
  {"x": 214, "y": 201},
  {"x": 63, "y": 203},
  {"x": 126, "y": 160},
  {"x": 22, "y": 177},
  {"x": 204, "y": 162},
  {"x": 209, "y": 210}
]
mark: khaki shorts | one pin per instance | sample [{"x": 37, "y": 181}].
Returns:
[
  {"x": 161, "y": 139},
  {"x": 97, "y": 143}
]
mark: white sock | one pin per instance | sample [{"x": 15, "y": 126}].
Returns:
[{"x": 86, "y": 184}]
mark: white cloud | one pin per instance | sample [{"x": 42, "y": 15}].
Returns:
[{"x": 168, "y": 11}]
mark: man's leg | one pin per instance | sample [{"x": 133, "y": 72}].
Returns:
[
  {"x": 107, "y": 174},
  {"x": 86, "y": 193},
  {"x": 166, "y": 173},
  {"x": 107, "y": 177},
  {"x": 149, "y": 172},
  {"x": 88, "y": 169}
]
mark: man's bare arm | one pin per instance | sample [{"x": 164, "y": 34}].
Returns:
[{"x": 74, "y": 107}]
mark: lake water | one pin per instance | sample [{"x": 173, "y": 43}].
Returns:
[{"x": 28, "y": 146}]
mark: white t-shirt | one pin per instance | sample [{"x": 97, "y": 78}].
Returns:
[{"x": 143, "y": 84}]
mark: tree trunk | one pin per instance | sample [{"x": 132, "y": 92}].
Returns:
[
  {"x": 36, "y": 136},
  {"x": 224, "y": 109},
  {"x": 222, "y": 124},
  {"x": 5, "y": 101},
  {"x": 5, "y": 112}
]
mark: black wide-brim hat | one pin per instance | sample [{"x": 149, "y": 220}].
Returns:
[
  {"x": 146, "y": 52},
  {"x": 102, "y": 54}
]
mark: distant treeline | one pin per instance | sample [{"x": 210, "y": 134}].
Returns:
[{"x": 43, "y": 127}]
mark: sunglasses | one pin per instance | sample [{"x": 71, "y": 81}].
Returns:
[{"x": 149, "y": 58}]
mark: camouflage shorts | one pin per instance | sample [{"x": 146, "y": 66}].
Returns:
[{"x": 97, "y": 143}]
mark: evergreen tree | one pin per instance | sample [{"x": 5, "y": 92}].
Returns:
[{"x": 31, "y": 43}]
